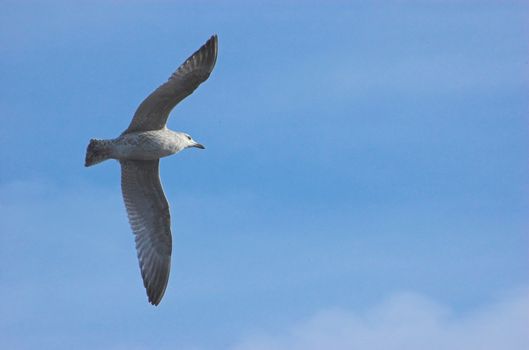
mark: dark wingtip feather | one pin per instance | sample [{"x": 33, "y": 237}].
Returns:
[
  {"x": 155, "y": 296},
  {"x": 154, "y": 299},
  {"x": 212, "y": 39},
  {"x": 212, "y": 48},
  {"x": 156, "y": 280}
]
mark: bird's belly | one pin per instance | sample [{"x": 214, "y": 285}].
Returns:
[{"x": 143, "y": 146}]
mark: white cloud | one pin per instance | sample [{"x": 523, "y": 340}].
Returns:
[{"x": 406, "y": 322}]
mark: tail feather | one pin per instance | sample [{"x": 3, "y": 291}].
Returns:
[{"x": 96, "y": 152}]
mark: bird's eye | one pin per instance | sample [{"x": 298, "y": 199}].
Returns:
[{"x": 188, "y": 137}]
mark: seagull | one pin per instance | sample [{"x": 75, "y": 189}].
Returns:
[{"x": 138, "y": 150}]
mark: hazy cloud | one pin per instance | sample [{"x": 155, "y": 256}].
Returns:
[{"x": 406, "y": 321}]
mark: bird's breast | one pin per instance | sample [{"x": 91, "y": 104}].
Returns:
[{"x": 148, "y": 145}]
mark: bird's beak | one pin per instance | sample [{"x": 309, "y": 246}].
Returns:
[{"x": 198, "y": 145}]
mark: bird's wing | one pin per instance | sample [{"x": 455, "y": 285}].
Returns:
[
  {"x": 149, "y": 217},
  {"x": 153, "y": 112}
]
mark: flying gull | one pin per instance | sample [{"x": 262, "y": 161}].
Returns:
[{"x": 139, "y": 149}]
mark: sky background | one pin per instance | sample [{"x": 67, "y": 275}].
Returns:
[{"x": 364, "y": 183}]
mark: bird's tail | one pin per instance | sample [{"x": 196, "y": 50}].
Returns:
[{"x": 96, "y": 152}]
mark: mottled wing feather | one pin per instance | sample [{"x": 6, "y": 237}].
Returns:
[
  {"x": 149, "y": 217},
  {"x": 153, "y": 112}
]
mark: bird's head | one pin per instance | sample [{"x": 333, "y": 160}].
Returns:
[{"x": 189, "y": 142}]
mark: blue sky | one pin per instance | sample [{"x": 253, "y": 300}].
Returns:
[{"x": 364, "y": 183}]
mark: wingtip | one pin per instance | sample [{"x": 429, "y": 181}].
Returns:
[
  {"x": 154, "y": 302},
  {"x": 213, "y": 47},
  {"x": 156, "y": 289},
  {"x": 213, "y": 40},
  {"x": 154, "y": 297}
]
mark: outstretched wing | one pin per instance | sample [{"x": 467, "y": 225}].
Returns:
[
  {"x": 149, "y": 217},
  {"x": 153, "y": 112}
]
